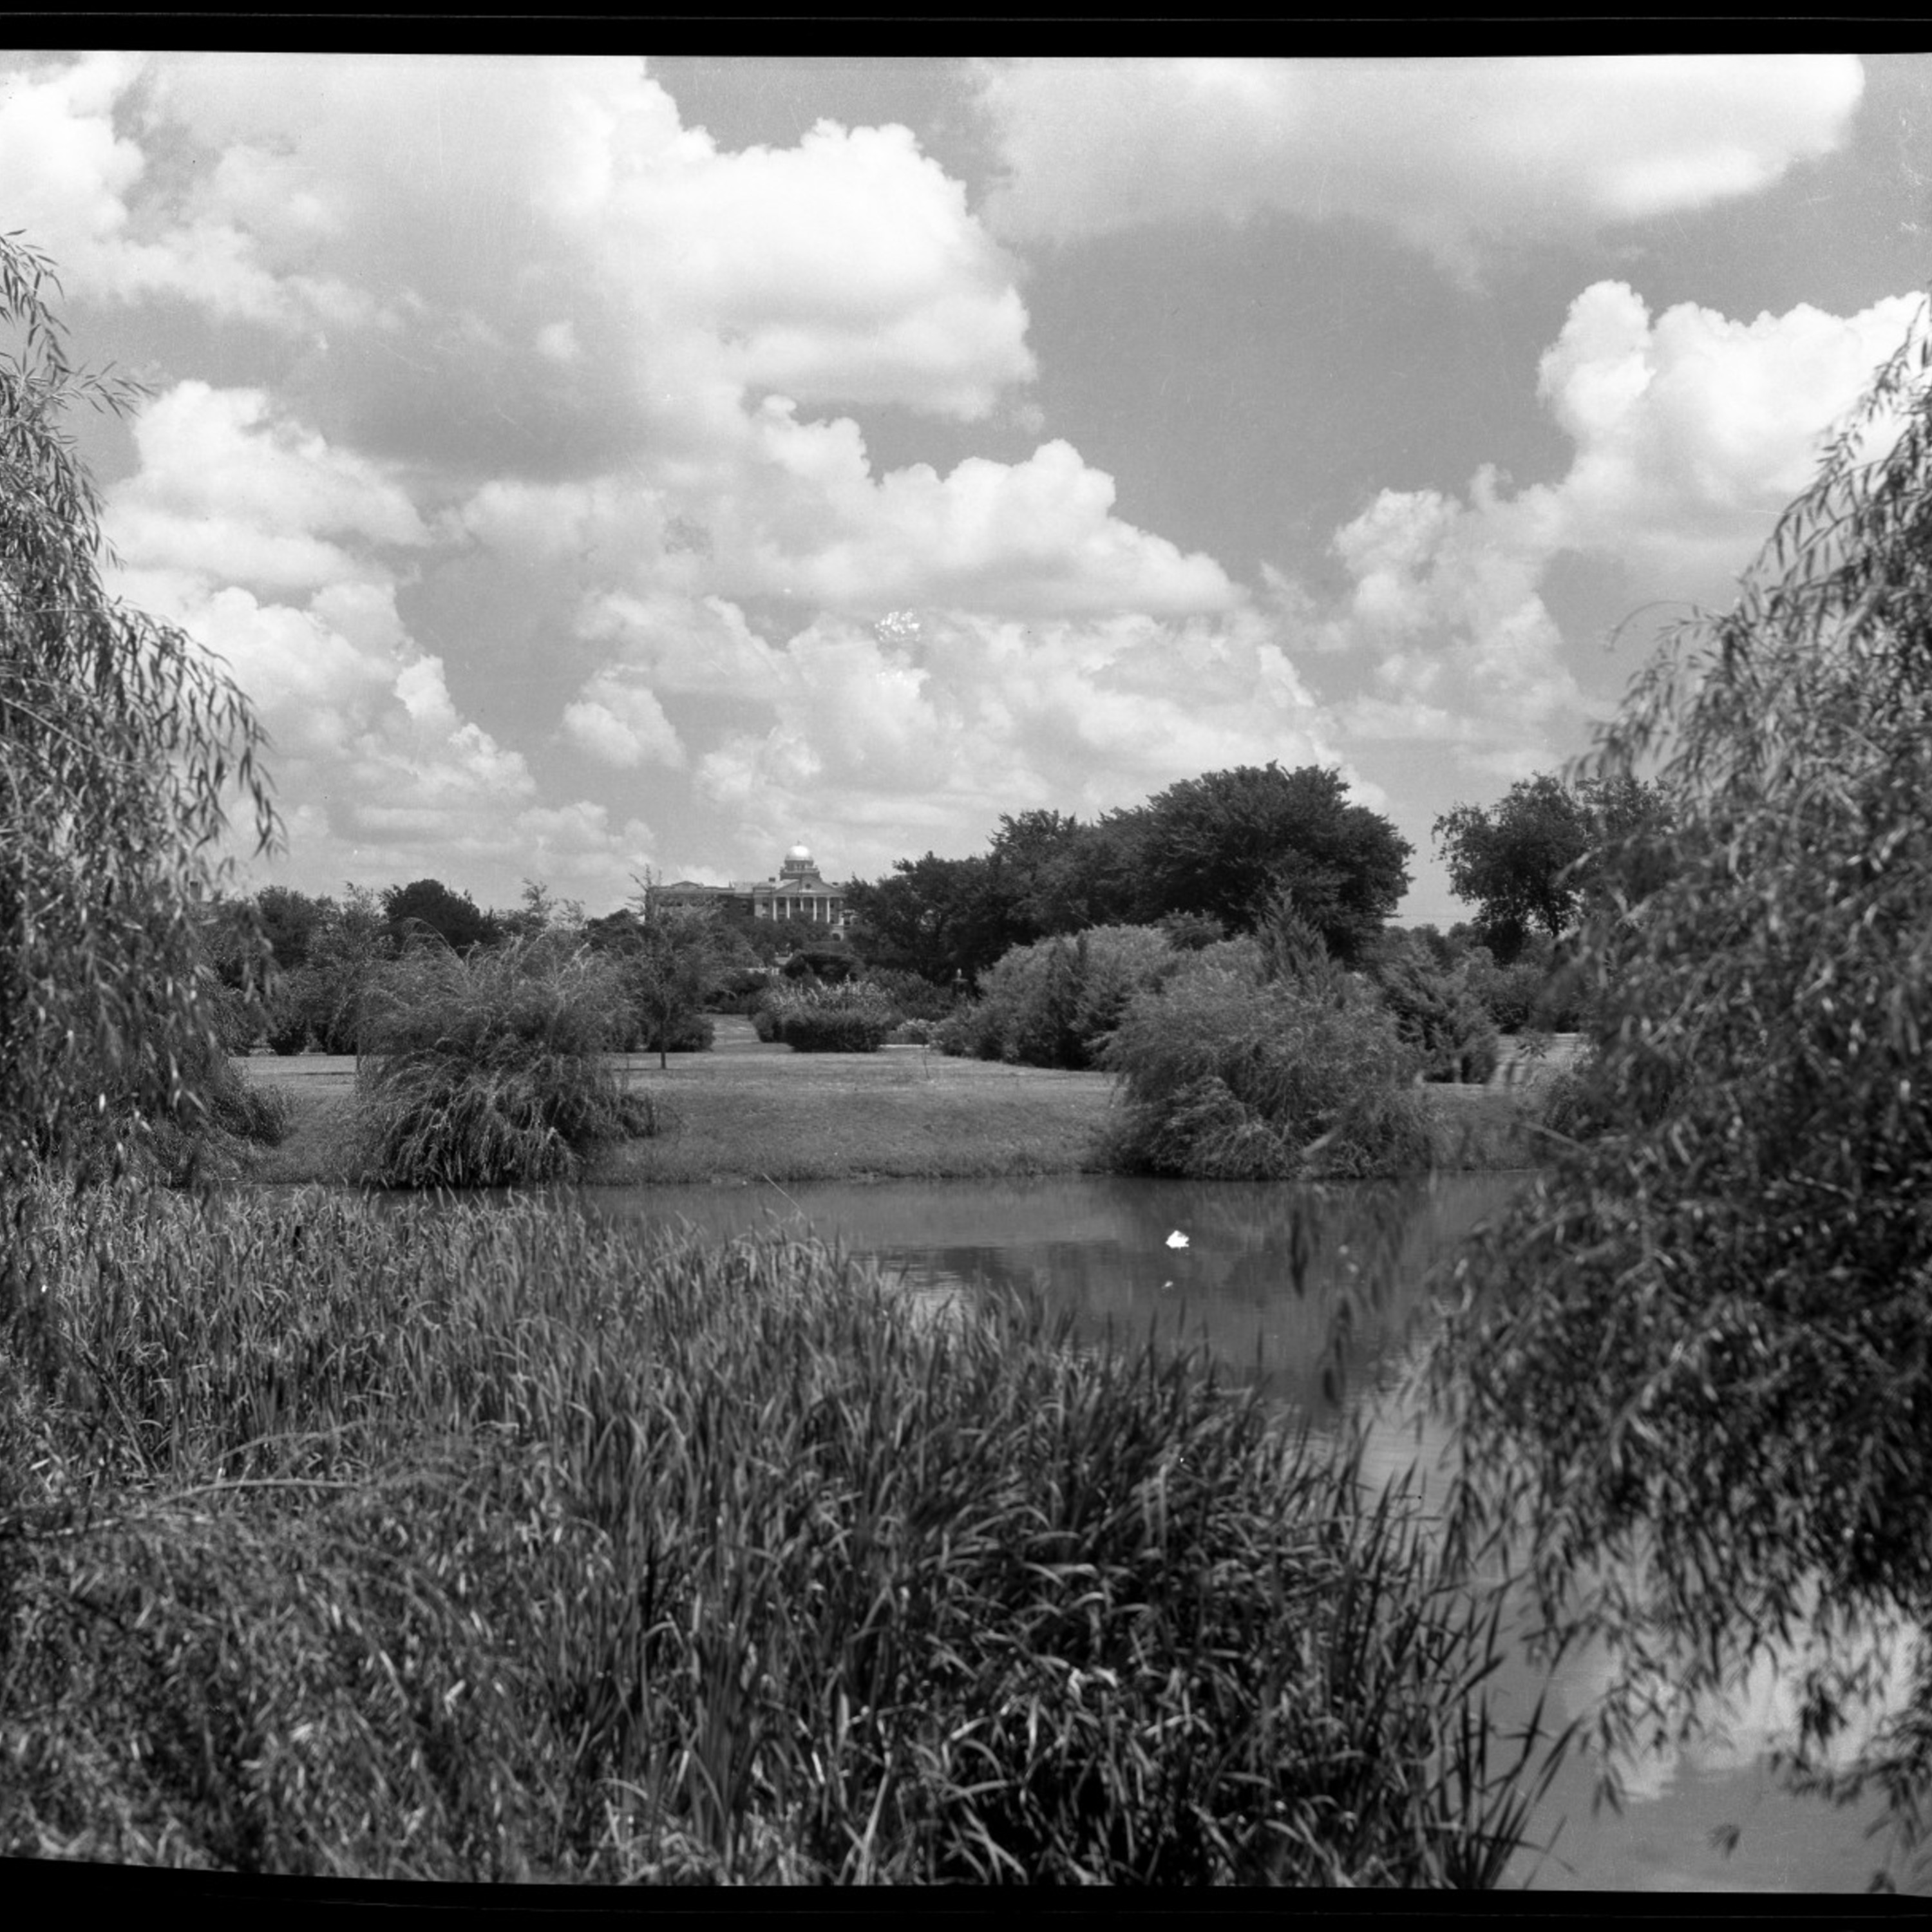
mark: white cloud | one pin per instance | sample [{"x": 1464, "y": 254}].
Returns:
[
  {"x": 265, "y": 543},
  {"x": 621, "y": 723},
  {"x": 793, "y": 509},
  {"x": 1691, "y": 432},
  {"x": 227, "y": 490},
  {"x": 885, "y": 734},
  {"x": 80, "y": 183},
  {"x": 1442, "y": 151}
]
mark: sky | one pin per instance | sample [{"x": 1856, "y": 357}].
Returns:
[{"x": 595, "y": 469}]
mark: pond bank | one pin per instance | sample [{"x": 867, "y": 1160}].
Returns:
[{"x": 746, "y": 1112}]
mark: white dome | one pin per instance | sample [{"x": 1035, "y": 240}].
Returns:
[{"x": 798, "y": 854}]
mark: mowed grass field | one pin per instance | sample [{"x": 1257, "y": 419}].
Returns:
[{"x": 746, "y": 1111}]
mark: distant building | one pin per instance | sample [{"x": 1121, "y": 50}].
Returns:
[{"x": 798, "y": 892}]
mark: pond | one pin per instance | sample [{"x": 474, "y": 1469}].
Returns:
[{"x": 1258, "y": 1276}]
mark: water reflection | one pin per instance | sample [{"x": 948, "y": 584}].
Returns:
[
  {"x": 1312, "y": 1292},
  {"x": 1317, "y": 1295}
]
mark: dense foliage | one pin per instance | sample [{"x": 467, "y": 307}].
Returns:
[
  {"x": 1211, "y": 851},
  {"x": 427, "y": 906},
  {"x": 1261, "y": 1060},
  {"x": 498, "y": 1545},
  {"x": 1529, "y": 863},
  {"x": 487, "y": 1069},
  {"x": 1054, "y": 1003},
  {"x": 120, "y": 746},
  {"x": 851, "y": 1016},
  {"x": 1438, "y": 1012},
  {"x": 1701, "y": 1360}
]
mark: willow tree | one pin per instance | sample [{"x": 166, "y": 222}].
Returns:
[
  {"x": 120, "y": 744},
  {"x": 1698, "y": 1360}
]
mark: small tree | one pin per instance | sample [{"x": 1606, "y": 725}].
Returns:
[
  {"x": 120, "y": 745},
  {"x": 672, "y": 961}
]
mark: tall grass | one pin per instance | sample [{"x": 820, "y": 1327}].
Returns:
[
  {"x": 494, "y": 1544},
  {"x": 483, "y": 1071}
]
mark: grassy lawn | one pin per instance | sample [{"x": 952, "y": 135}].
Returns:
[{"x": 904, "y": 1113}]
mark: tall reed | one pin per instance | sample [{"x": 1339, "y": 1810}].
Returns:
[
  {"x": 489, "y": 1069},
  {"x": 496, "y": 1544}
]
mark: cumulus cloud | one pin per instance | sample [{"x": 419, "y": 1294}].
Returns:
[
  {"x": 268, "y": 545},
  {"x": 883, "y": 733},
  {"x": 1523, "y": 147},
  {"x": 621, "y": 723},
  {"x": 225, "y": 489},
  {"x": 794, "y": 509},
  {"x": 546, "y": 229},
  {"x": 81, "y": 184},
  {"x": 1690, "y": 432}
]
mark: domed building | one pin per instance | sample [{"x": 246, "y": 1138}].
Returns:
[{"x": 798, "y": 892}]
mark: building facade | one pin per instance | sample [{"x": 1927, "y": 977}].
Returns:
[{"x": 798, "y": 892}]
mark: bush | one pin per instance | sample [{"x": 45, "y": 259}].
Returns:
[
  {"x": 500, "y": 1546},
  {"x": 833, "y": 965},
  {"x": 1438, "y": 1015},
  {"x": 1051, "y": 1003},
  {"x": 687, "y": 1033},
  {"x": 489, "y": 1070},
  {"x": 290, "y": 1003},
  {"x": 916, "y": 996},
  {"x": 853, "y": 1018},
  {"x": 1229, "y": 1076}
]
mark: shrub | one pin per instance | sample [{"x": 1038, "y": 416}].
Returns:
[
  {"x": 853, "y": 1018},
  {"x": 833, "y": 965},
  {"x": 916, "y": 996},
  {"x": 490, "y": 1070},
  {"x": 1229, "y": 1076},
  {"x": 1437, "y": 1014},
  {"x": 290, "y": 1003},
  {"x": 1052, "y": 1002}
]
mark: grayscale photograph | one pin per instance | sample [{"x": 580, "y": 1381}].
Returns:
[{"x": 966, "y": 970}]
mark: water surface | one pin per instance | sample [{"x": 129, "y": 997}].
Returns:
[{"x": 1318, "y": 1295}]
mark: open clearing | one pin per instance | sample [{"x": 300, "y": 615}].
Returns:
[{"x": 746, "y": 1111}]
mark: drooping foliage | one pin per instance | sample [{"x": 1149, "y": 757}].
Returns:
[
  {"x": 122, "y": 746},
  {"x": 1700, "y": 1361}
]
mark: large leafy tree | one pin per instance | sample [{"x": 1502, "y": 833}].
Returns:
[
  {"x": 1530, "y": 862},
  {"x": 429, "y": 906},
  {"x": 1227, "y": 844},
  {"x": 943, "y": 918},
  {"x": 121, "y": 746},
  {"x": 1700, "y": 1362},
  {"x": 1053, "y": 874}
]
